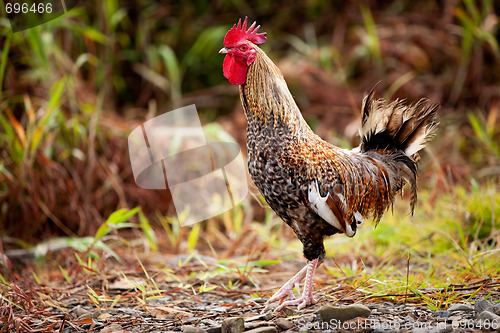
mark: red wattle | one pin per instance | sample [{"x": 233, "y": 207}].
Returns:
[{"x": 234, "y": 71}]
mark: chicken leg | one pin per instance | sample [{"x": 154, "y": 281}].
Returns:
[{"x": 287, "y": 289}]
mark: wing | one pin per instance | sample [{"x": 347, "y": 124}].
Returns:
[
  {"x": 342, "y": 187},
  {"x": 332, "y": 208}
]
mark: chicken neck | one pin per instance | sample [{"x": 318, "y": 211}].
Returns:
[{"x": 265, "y": 96}]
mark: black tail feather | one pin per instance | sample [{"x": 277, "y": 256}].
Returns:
[{"x": 397, "y": 126}]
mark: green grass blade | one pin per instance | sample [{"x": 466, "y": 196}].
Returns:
[
  {"x": 371, "y": 29},
  {"x": 3, "y": 62},
  {"x": 148, "y": 231},
  {"x": 174, "y": 72},
  {"x": 193, "y": 236}
]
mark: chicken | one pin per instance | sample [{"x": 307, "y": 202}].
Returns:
[{"x": 316, "y": 188}]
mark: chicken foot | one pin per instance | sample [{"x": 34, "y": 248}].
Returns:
[{"x": 287, "y": 289}]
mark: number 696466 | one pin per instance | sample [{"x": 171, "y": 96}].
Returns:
[{"x": 25, "y": 8}]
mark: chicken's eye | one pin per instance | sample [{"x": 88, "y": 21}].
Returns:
[{"x": 243, "y": 47}]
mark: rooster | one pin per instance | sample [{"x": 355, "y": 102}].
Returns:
[{"x": 319, "y": 189}]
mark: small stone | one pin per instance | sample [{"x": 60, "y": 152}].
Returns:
[
  {"x": 80, "y": 313},
  {"x": 198, "y": 308},
  {"x": 184, "y": 304},
  {"x": 129, "y": 311},
  {"x": 460, "y": 307},
  {"x": 443, "y": 314},
  {"x": 264, "y": 316},
  {"x": 104, "y": 316},
  {"x": 283, "y": 323},
  {"x": 290, "y": 311},
  {"x": 255, "y": 324},
  {"x": 215, "y": 329},
  {"x": 233, "y": 325},
  {"x": 220, "y": 309},
  {"x": 423, "y": 309},
  {"x": 490, "y": 316},
  {"x": 307, "y": 318},
  {"x": 445, "y": 329},
  {"x": 385, "y": 310},
  {"x": 419, "y": 330},
  {"x": 113, "y": 328},
  {"x": 328, "y": 312},
  {"x": 191, "y": 319},
  {"x": 192, "y": 329},
  {"x": 482, "y": 305},
  {"x": 258, "y": 300},
  {"x": 267, "y": 329},
  {"x": 409, "y": 319},
  {"x": 495, "y": 308}
]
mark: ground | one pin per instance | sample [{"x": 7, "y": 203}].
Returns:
[{"x": 194, "y": 292}]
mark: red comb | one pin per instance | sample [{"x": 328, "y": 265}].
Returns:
[{"x": 238, "y": 33}]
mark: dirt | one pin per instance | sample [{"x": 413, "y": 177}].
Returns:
[{"x": 129, "y": 301}]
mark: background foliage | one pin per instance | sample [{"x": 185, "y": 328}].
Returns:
[{"x": 74, "y": 88}]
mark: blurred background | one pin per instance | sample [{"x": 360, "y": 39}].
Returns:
[{"x": 74, "y": 88}]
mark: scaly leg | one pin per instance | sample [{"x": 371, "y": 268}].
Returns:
[{"x": 287, "y": 289}]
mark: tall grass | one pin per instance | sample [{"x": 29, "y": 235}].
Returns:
[
  {"x": 69, "y": 88},
  {"x": 57, "y": 170},
  {"x": 479, "y": 27}
]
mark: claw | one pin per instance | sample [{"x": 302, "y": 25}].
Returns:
[
  {"x": 301, "y": 302},
  {"x": 287, "y": 290}
]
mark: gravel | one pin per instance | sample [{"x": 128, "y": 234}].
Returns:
[
  {"x": 460, "y": 307},
  {"x": 234, "y": 313},
  {"x": 268, "y": 329}
]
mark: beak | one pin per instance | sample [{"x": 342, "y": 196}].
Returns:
[{"x": 223, "y": 50}]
